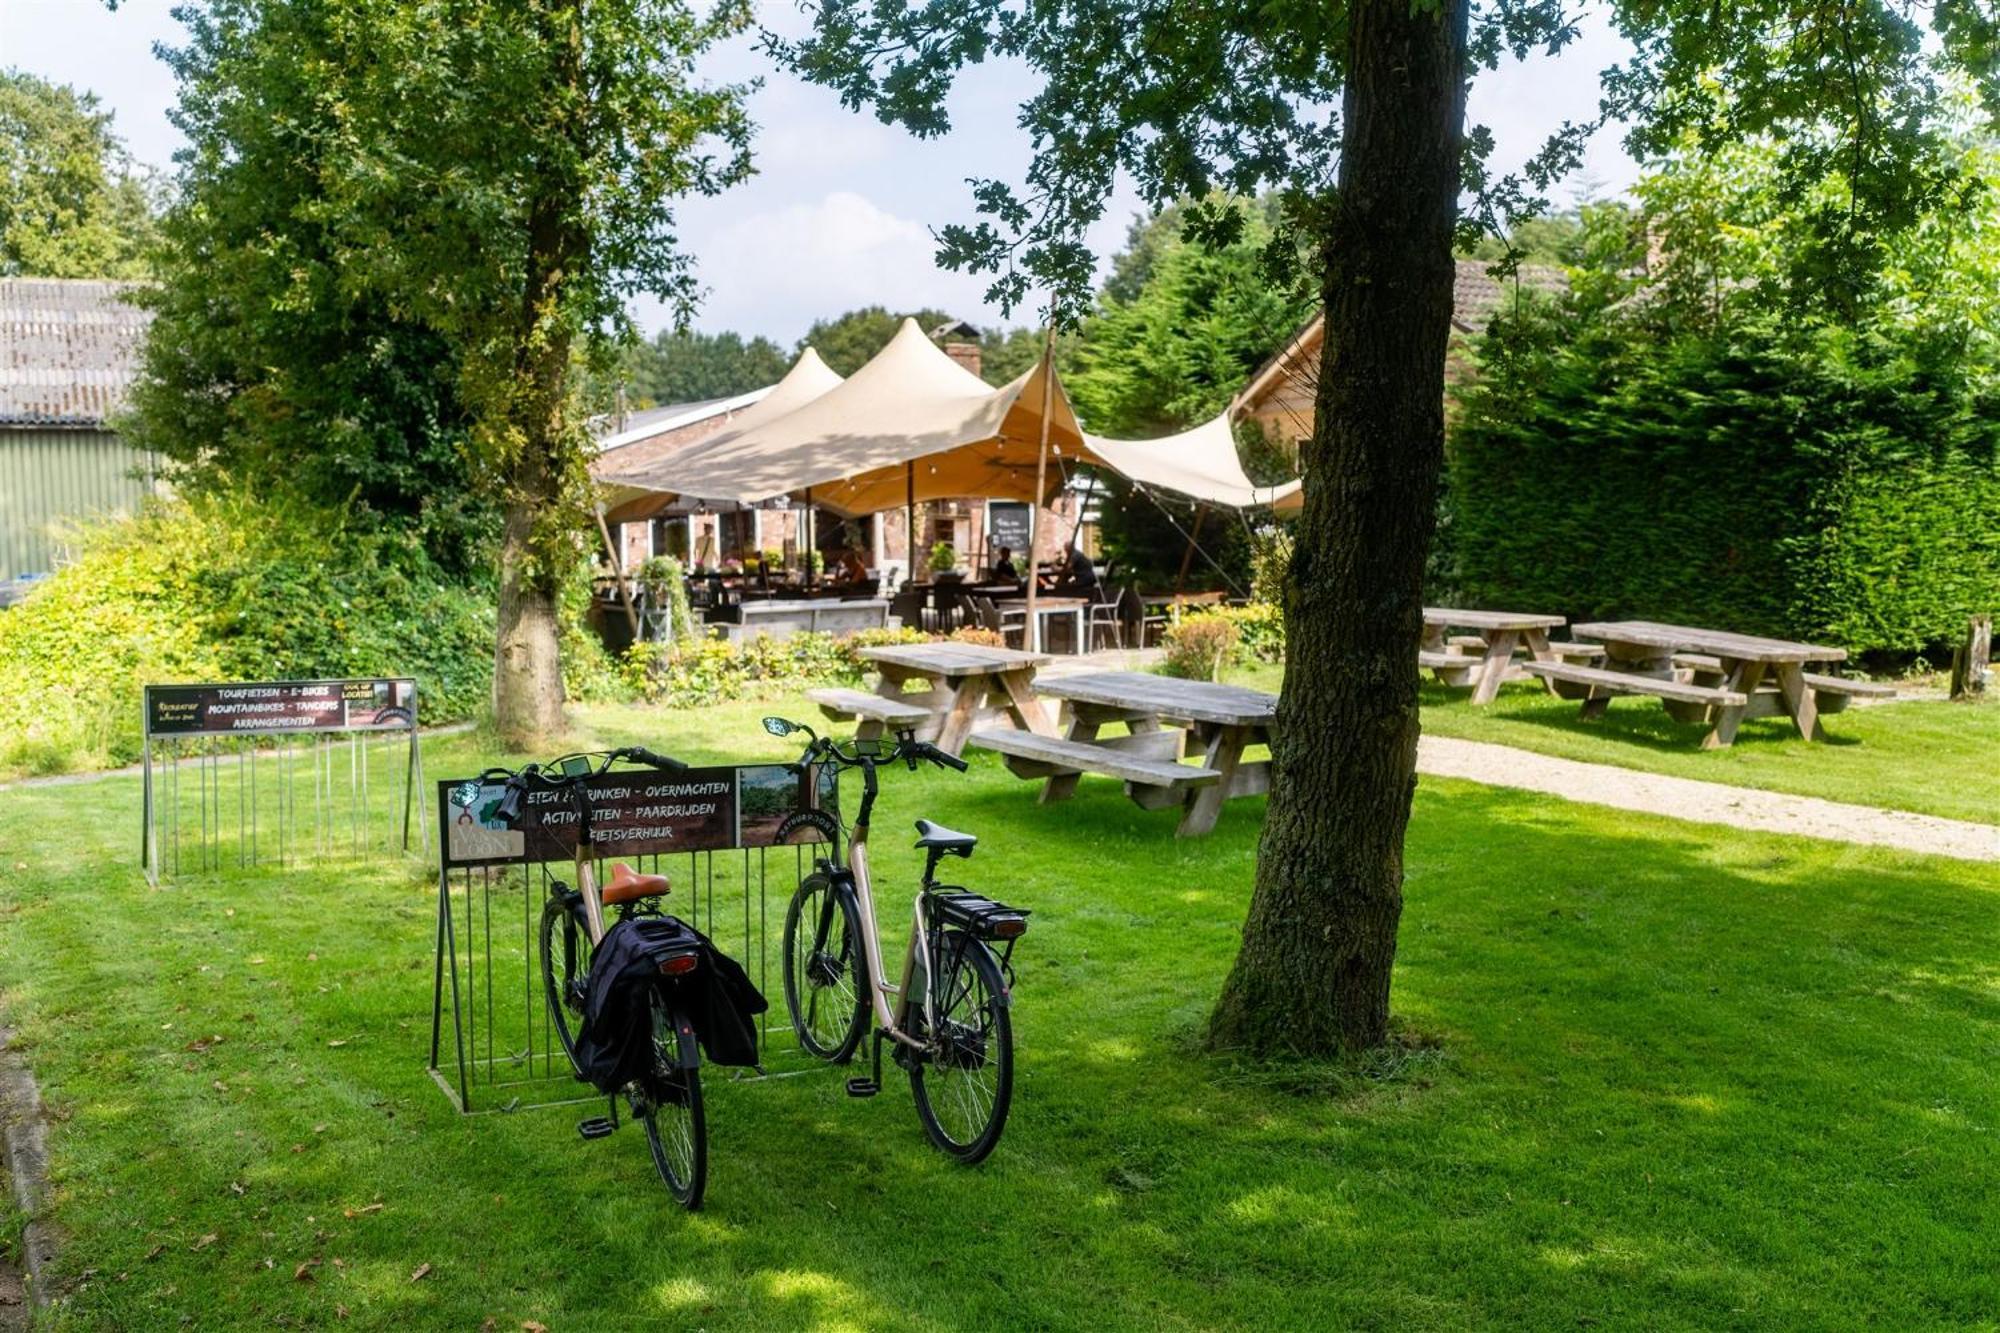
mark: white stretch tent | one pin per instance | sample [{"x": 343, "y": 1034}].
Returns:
[
  {"x": 1201, "y": 464},
  {"x": 912, "y": 424},
  {"x": 635, "y": 494}
]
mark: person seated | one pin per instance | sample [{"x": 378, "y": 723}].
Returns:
[
  {"x": 852, "y": 568},
  {"x": 1079, "y": 576},
  {"x": 1003, "y": 568}
]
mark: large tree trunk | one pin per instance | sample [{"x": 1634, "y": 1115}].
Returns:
[
  {"x": 1313, "y": 974},
  {"x": 527, "y": 662},
  {"x": 527, "y": 671}
]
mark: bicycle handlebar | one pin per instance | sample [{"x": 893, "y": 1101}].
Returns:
[
  {"x": 519, "y": 781},
  {"x": 907, "y": 748}
]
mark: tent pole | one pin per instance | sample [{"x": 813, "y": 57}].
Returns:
[
  {"x": 1187, "y": 557},
  {"x": 910, "y": 521},
  {"x": 1032, "y": 640},
  {"x": 618, "y": 568},
  {"x": 808, "y": 553}
]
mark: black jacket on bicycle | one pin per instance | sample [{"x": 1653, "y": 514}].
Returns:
[{"x": 614, "y": 1044}]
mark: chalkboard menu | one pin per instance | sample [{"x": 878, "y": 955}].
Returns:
[
  {"x": 253, "y": 708},
  {"x": 633, "y": 812},
  {"x": 1009, "y": 523}
]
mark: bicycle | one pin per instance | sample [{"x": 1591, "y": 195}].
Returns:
[
  {"x": 949, "y": 1019},
  {"x": 669, "y": 1101}
]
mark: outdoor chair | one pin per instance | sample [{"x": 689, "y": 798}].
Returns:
[
  {"x": 908, "y": 607},
  {"x": 1103, "y": 615},
  {"x": 1145, "y": 628},
  {"x": 1011, "y": 625}
]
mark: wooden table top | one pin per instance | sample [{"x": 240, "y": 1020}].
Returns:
[
  {"x": 1043, "y": 603},
  {"x": 1166, "y": 696},
  {"x": 1494, "y": 620},
  {"x": 953, "y": 659},
  {"x": 1720, "y": 643},
  {"x": 1185, "y": 598}
]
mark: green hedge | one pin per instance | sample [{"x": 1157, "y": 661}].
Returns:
[
  {"x": 1830, "y": 488},
  {"x": 219, "y": 589}
]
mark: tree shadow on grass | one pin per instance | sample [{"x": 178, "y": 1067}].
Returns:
[{"x": 1638, "y": 722}]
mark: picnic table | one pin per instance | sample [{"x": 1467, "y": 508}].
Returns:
[
  {"x": 969, "y": 685},
  {"x": 1485, "y": 659},
  {"x": 1222, "y": 720},
  {"x": 1048, "y": 607},
  {"x": 1707, "y": 675}
]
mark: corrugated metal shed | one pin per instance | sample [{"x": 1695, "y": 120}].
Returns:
[{"x": 69, "y": 350}]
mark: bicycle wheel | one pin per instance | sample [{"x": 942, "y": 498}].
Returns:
[
  {"x": 675, "y": 1121},
  {"x": 965, "y": 1081},
  {"x": 826, "y": 974},
  {"x": 565, "y": 969}
]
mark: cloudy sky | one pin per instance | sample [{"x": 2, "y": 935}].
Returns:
[{"x": 841, "y": 211}]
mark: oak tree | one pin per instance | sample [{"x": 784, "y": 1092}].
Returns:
[{"x": 1354, "y": 113}]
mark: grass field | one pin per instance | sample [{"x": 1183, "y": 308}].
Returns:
[
  {"x": 1926, "y": 756},
  {"x": 1655, "y": 1075}
]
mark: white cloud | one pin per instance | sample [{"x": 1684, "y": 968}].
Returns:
[{"x": 770, "y": 272}]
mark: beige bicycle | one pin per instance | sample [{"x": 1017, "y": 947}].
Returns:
[{"x": 948, "y": 1017}]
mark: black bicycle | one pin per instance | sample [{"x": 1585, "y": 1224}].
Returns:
[
  {"x": 667, "y": 1100},
  {"x": 949, "y": 1018}
]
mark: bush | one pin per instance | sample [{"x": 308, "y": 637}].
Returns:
[
  {"x": 979, "y": 634},
  {"x": 218, "y": 588},
  {"x": 1201, "y": 645},
  {"x": 715, "y": 670},
  {"x": 1835, "y": 486}
]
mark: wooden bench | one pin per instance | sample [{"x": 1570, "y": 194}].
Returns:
[
  {"x": 1153, "y": 782},
  {"x": 1599, "y": 682},
  {"x": 1836, "y": 692},
  {"x": 877, "y": 713},
  {"x": 1591, "y": 651}
]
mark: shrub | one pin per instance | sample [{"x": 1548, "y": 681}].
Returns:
[
  {"x": 662, "y": 578},
  {"x": 1201, "y": 645},
  {"x": 943, "y": 558},
  {"x": 979, "y": 634},
  {"x": 715, "y": 670},
  {"x": 219, "y": 588},
  {"x": 1833, "y": 485},
  {"x": 1260, "y": 628}
]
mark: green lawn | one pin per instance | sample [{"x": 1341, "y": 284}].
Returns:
[
  {"x": 1926, "y": 756},
  {"x": 1681, "y": 1078}
]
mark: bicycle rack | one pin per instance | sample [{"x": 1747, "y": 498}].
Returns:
[
  {"x": 493, "y": 1046},
  {"x": 250, "y": 773}
]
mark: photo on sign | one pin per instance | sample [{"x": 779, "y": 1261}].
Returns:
[
  {"x": 768, "y": 794},
  {"x": 380, "y": 703},
  {"x": 473, "y": 832}
]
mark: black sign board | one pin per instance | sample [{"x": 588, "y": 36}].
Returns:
[
  {"x": 633, "y": 812},
  {"x": 256, "y": 708},
  {"x": 1009, "y": 524}
]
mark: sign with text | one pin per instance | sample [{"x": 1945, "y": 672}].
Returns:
[
  {"x": 633, "y": 812},
  {"x": 256, "y": 708},
  {"x": 1009, "y": 523}
]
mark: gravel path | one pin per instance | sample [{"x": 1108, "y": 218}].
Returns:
[{"x": 1706, "y": 802}]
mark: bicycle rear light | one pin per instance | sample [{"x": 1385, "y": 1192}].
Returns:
[{"x": 680, "y": 965}]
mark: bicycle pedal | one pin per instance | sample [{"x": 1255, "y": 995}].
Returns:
[
  {"x": 862, "y": 1087},
  {"x": 597, "y": 1127}
]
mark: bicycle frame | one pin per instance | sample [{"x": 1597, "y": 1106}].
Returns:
[{"x": 888, "y": 1020}]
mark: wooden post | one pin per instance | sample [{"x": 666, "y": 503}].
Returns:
[
  {"x": 1032, "y": 639},
  {"x": 1970, "y": 659},
  {"x": 1187, "y": 556},
  {"x": 910, "y": 521},
  {"x": 618, "y": 568},
  {"x": 811, "y": 582}
]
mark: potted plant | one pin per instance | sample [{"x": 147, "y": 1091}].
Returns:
[{"x": 944, "y": 561}]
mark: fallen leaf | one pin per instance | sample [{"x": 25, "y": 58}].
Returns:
[
  {"x": 236, "y": 1186},
  {"x": 357, "y": 1212},
  {"x": 269, "y": 1262},
  {"x": 206, "y": 1241},
  {"x": 219, "y": 1086},
  {"x": 319, "y": 1129},
  {"x": 338, "y": 1041},
  {"x": 488, "y": 1325},
  {"x": 340, "y": 1312},
  {"x": 312, "y": 958},
  {"x": 530, "y": 1326},
  {"x": 304, "y": 1272},
  {"x": 423, "y": 1271},
  {"x": 155, "y": 1253},
  {"x": 298, "y": 1147},
  {"x": 229, "y": 911}
]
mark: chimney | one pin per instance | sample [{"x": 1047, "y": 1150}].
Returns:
[{"x": 966, "y": 354}]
